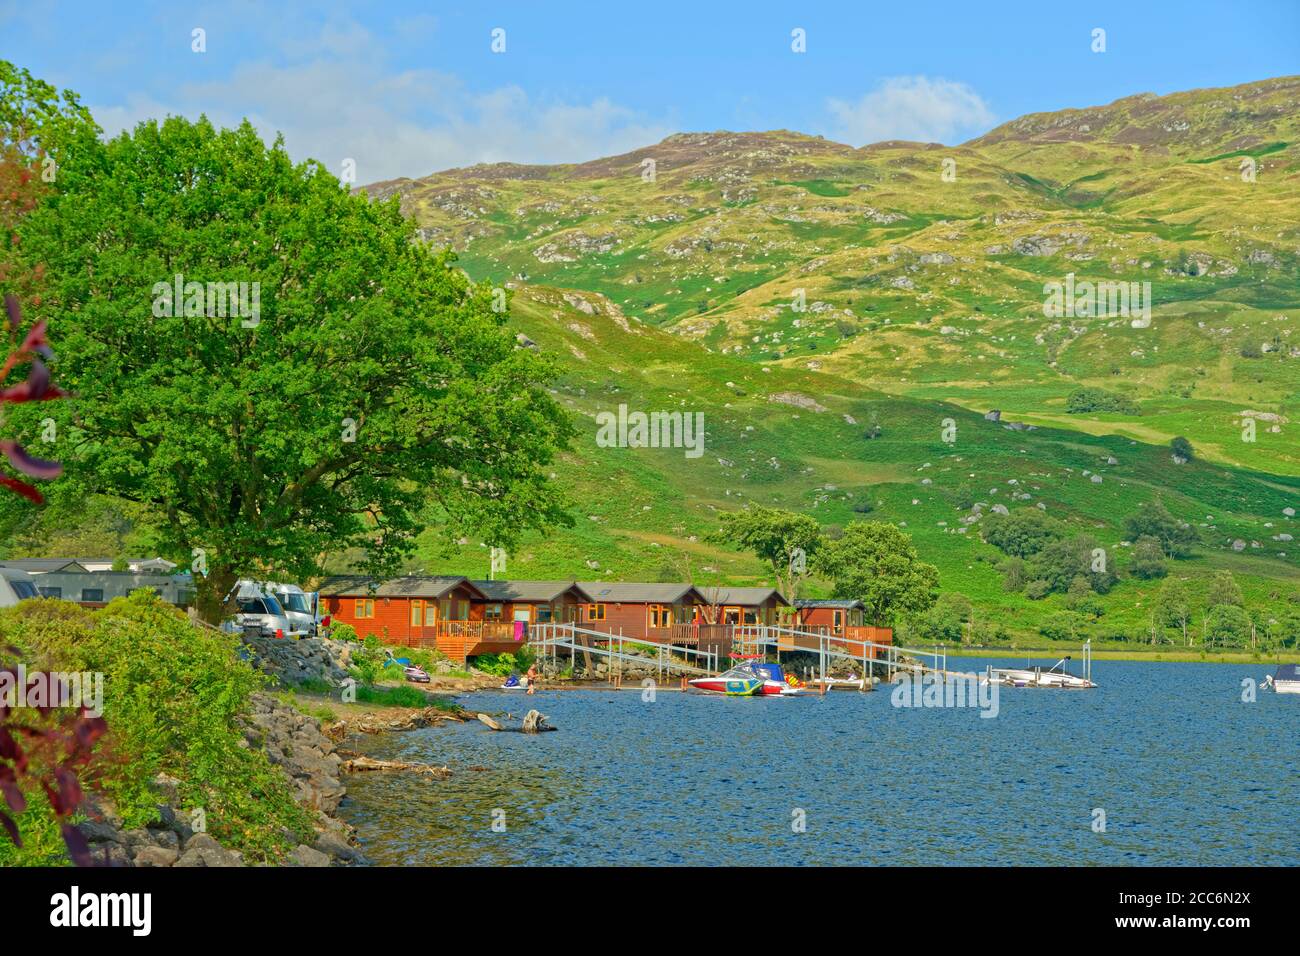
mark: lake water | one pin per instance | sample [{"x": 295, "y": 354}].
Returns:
[{"x": 1185, "y": 772}]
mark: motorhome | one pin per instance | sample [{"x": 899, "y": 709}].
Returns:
[{"x": 16, "y": 585}]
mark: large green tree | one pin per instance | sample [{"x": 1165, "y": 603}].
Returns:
[
  {"x": 368, "y": 389},
  {"x": 786, "y": 540},
  {"x": 876, "y": 563}
]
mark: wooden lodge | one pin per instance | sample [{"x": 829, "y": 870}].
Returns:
[
  {"x": 840, "y": 619},
  {"x": 464, "y": 618}
]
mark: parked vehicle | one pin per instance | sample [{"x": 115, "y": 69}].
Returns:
[
  {"x": 298, "y": 607},
  {"x": 291, "y": 602},
  {"x": 15, "y": 586},
  {"x": 261, "y": 611}
]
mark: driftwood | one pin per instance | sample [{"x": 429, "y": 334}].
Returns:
[
  {"x": 534, "y": 723},
  {"x": 376, "y": 724},
  {"x": 355, "y": 764}
]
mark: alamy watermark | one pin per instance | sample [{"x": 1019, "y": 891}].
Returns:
[
  {"x": 1093, "y": 300},
  {"x": 21, "y": 688},
  {"x": 213, "y": 299},
  {"x": 651, "y": 430},
  {"x": 947, "y": 690}
]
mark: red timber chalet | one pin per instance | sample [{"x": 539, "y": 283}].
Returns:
[{"x": 417, "y": 611}]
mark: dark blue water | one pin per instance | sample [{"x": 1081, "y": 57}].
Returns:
[{"x": 1185, "y": 772}]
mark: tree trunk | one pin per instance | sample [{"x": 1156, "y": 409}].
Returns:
[{"x": 212, "y": 589}]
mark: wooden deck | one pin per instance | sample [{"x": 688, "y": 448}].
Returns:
[{"x": 460, "y": 640}]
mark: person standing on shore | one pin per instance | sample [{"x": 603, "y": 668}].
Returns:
[{"x": 532, "y": 677}]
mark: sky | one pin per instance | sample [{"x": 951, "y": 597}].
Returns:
[{"x": 406, "y": 89}]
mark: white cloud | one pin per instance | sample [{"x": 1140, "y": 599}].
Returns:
[
  {"x": 347, "y": 104},
  {"x": 912, "y": 108}
]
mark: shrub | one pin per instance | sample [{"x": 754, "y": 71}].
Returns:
[
  {"x": 1086, "y": 399},
  {"x": 342, "y": 631},
  {"x": 1021, "y": 533},
  {"x": 1148, "y": 559},
  {"x": 174, "y": 699}
]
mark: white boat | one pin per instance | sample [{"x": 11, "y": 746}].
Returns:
[
  {"x": 1286, "y": 680},
  {"x": 1054, "y": 676}
]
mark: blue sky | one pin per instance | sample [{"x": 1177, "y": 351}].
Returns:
[{"x": 408, "y": 88}]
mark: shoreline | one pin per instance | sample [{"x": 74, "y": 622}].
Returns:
[{"x": 1173, "y": 656}]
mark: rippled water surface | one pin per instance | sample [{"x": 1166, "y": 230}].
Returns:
[{"x": 1185, "y": 771}]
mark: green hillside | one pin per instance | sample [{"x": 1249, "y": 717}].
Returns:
[{"x": 923, "y": 300}]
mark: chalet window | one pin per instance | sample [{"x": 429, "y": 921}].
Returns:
[
  {"x": 838, "y": 618},
  {"x": 51, "y": 592},
  {"x": 444, "y": 605},
  {"x": 751, "y": 617},
  {"x": 660, "y": 615},
  {"x": 92, "y": 595},
  {"x": 417, "y": 613},
  {"x": 595, "y": 612},
  {"x": 492, "y": 612},
  {"x": 544, "y": 614},
  {"x": 731, "y": 615},
  {"x": 365, "y": 607},
  {"x": 430, "y": 614}
]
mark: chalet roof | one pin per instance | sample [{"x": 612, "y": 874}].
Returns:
[
  {"x": 43, "y": 565},
  {"x": 631, "y": 592},
  {"x": 836, "y": 603},
  {"x": 744, "y": 597},
  {"x": 414, "y": 586},
  {"x": 541, "y": 591}
]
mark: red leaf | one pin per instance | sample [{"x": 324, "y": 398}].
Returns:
[
  {"x": 9, "y": 786},
  {"x": 7, "y": 822},
  {"x": 36, "y": 388},
  {"x": 22, "y": 488},
  {"x": 14, "y": 311},
  {"x": 78, "y": 848},
  {"x": 36, "y": 467},
  {"x": 69, "y": 790}
]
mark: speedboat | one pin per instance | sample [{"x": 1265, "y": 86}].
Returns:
[
  {"x": 514, "y": 683},
  {"x": 1286, "y": 680},
  {"x": 1054, "y": 676},
  {"x": 740, "y": 681},
  {"x": 416, "y": 674},
  {"x": 775, "y": 683}
]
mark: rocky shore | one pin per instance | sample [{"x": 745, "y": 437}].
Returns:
[{"x": 295, "y": 743}]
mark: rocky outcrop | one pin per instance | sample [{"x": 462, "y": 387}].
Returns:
[
  {"x": 296, "y": 662},
  {"x": 293, "y": 742}
]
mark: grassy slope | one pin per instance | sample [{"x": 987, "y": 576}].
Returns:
[{"x": 641, "y": 512}]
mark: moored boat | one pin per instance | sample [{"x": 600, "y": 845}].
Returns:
[
  {"x": 1055, "y": 676},
  {"x": 740, "y": 681},
  {"x": 1286, "y": 680}
]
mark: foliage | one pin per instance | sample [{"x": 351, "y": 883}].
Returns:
[
  {"x": 43, "y": 744},
  {"x": 343, "y": 631},
  {"x": 1148, "y": 559},
  {"x": 174, "y": 696},
  {"x": 1021, "y": 533},
  {"x": 1225, "y": 590},
  {"x": 775, "y": 536},
  {"x": 1060, "y": 562},
  {"x": 209, "y": 405},
  {"x": 876, "y": 563},
  {"x": 945, "y": 621},
  {"x": 1153, "y": 519},
  {"x": 1227, "y": 625},
  {"x": 1065, "y": 626},
  {"x": 25, "y": 348},
  {"x": 503, "y": 665},
  {"x": 1181, "y": 447},
  {"x": 1088, "y": 399}
]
